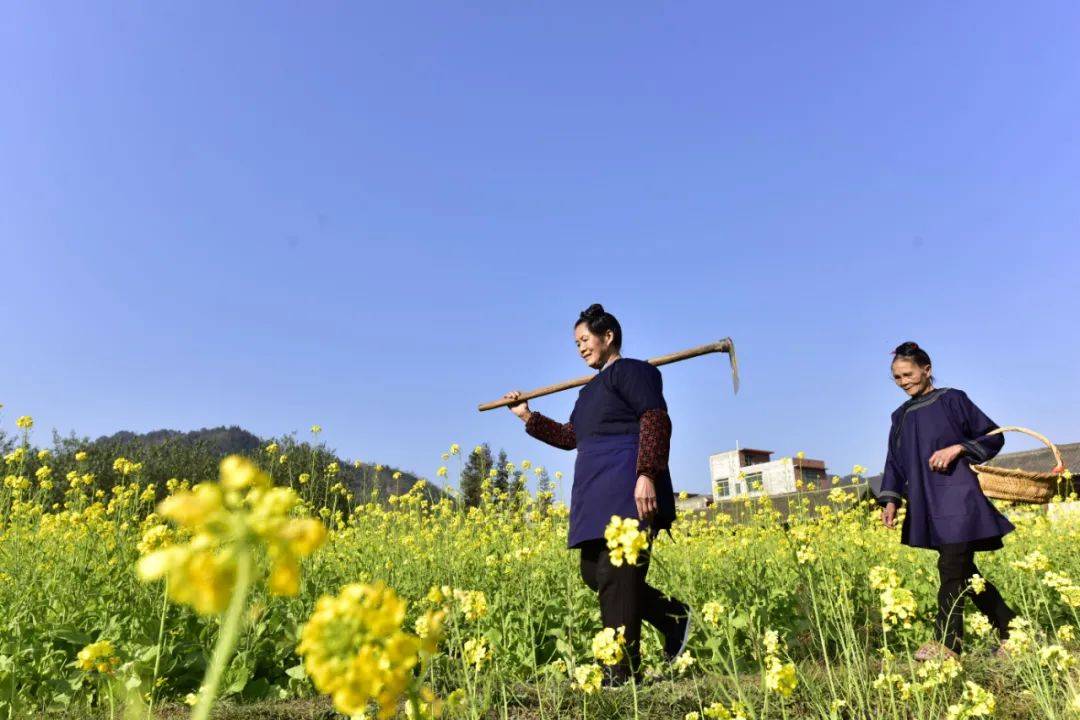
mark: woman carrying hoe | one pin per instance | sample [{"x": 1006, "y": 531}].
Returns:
[
  {"x": 934, "y": 435},
  {"x": 622, "y": 434}
]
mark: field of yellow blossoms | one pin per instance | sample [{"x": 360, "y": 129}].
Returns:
[{"x": 208, "y": 594}]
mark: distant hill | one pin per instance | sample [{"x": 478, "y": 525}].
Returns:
[
  {"x": 222, "y": 440},
  {"x": 195, "y": 455}
]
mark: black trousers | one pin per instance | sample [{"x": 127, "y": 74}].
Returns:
[
  {"x": 626, "y": 599},
  {"x": 956, "y": 565}
]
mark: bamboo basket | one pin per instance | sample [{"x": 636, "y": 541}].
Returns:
[{"x": 1021, "y": 485}]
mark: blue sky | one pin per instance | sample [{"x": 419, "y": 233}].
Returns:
[{"x": 376, "y": 217}]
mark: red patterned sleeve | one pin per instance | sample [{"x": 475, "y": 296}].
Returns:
[
  {"x": 543, "y": 428},
  {"x": 654, "y": 443}
]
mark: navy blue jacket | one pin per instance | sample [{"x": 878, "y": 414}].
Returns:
[{"x": 947, "y": 506}]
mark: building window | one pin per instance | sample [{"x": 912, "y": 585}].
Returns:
[
  {"x": 723, "y": 488},
  {"x": 754, "y": 482}
]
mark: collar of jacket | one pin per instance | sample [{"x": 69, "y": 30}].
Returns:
[{"x": 914, "y": 403}]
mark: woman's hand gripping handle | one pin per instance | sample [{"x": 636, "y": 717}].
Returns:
[{"x": 520, "y": 409}]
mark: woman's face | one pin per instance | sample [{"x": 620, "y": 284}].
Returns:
[
  {"x": 594, "y": 350},
  {"x": 911, "y": 378}
]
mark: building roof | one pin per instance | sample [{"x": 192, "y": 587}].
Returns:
[
  {"x": 752, "y": 451},
  {"x": 1040, "y": 460},
  {"x": 809, "y": 463}
]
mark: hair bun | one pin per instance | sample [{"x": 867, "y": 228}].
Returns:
[
  {"x": 907, "y": 348},
  {"x": 593, "y": 312}
]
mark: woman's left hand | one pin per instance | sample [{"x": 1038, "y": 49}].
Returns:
[
  {"x": 943, "y": 458},
  {"x": 645, "y": 497}
]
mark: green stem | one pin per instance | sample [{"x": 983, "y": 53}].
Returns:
[
  {"x": 112, "y": 704},
  {"x": 160, "y": 642},
  {"x": 227, "y": 637}
]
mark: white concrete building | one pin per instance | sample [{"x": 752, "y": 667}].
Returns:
[
  {"x": 753, "y": 472},
  {"x": 692, "y": 501}
]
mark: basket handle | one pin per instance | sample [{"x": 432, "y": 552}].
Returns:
[{"x": 1037, "y": 436}]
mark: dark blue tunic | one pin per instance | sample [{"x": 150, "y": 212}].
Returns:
[
  {"x": 948, "y": 506},
  {"x": 605, "y": 420}
]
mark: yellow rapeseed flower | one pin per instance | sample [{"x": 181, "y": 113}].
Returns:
[
  {"x": 476, "y": 651},
  {"x": 977, "y": 624},
  {"x": 1020, "y": 637},
  {"x": 625, "y": 540},
  {"x": 241, "y": 514},
  {"x": 1056, "y": 658},
  {"x": 473, "y": 603},
  {"x": 683, "y": 662},
  {"x": 713, "y": 611},
  {"x": 780, "y": 677},
  {"x": 717, "y": 711},
  {"x": 978, "y": 583},
  {"x": 355, "y": 651},
  {"x": 126, "y": 467},
  {"x": 99, "y": 656},
  {"x": 607, "y": 645},
  {"x": 588, "y": 677},
  {"x": 975, "y": 702}
]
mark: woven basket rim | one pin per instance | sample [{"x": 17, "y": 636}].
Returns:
[{"x": 1015, "y": 473}]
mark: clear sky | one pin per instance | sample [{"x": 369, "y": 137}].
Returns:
[{"x": 375, "y": 216}]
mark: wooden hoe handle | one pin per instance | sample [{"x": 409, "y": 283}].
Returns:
[{"x": 724, "y": 346}]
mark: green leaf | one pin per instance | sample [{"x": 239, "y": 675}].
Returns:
[
  {"x": 239, "y": 681},
  {"x": 61, "y": 699},
  {"x": 71, "y": 635},
  {"x": 297, "y": 672},
  {"x": 257, "y": 689}
]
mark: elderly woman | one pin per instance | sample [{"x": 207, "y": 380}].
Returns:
[
  {"x": 933, "y": 437},
  {"x": 622, "y": 434}
]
